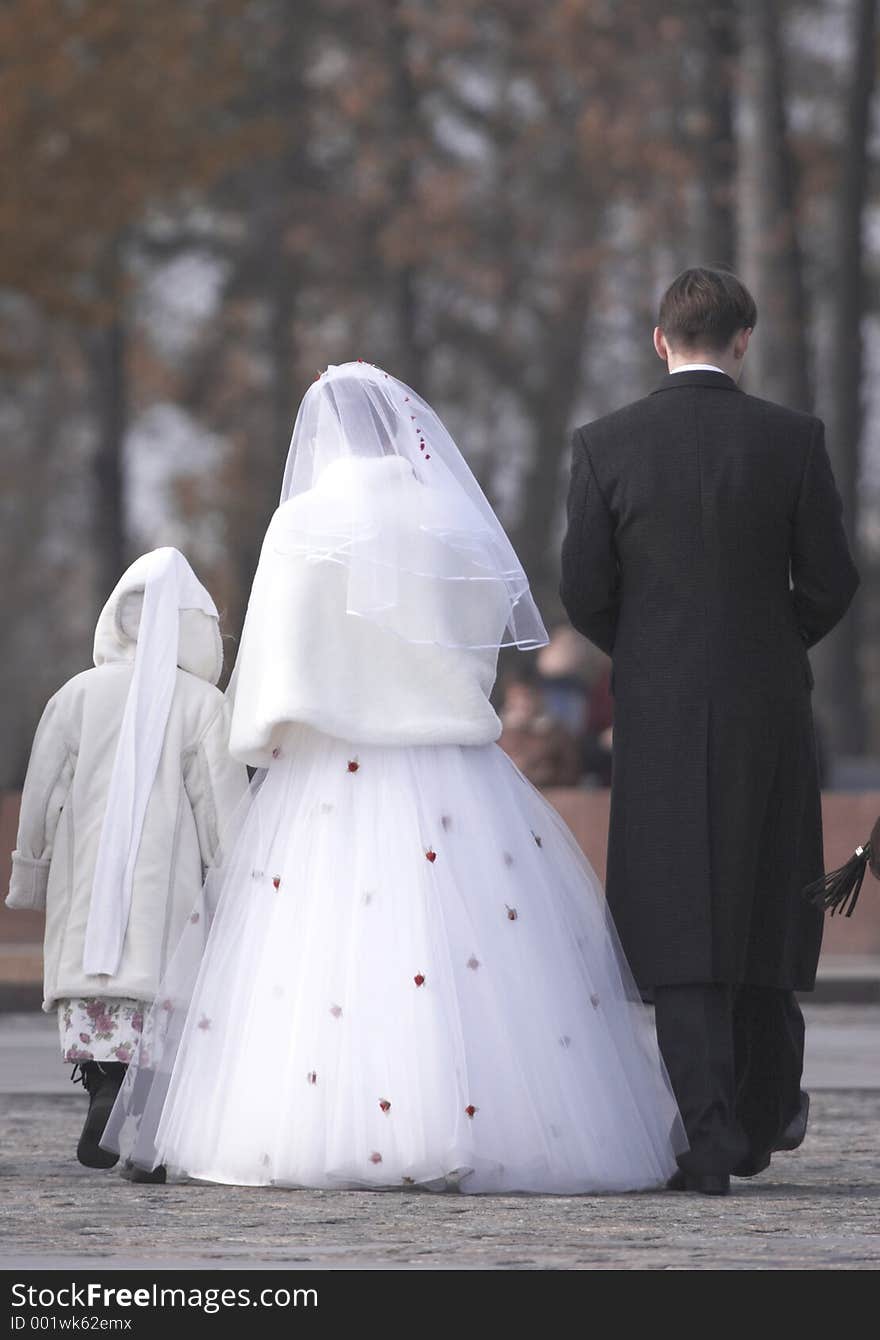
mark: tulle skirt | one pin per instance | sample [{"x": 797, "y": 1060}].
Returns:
[{"x": 410, "y": 980}]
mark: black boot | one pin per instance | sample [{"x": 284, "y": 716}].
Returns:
[
  {"x": 101, "y": 1081},
  {"x": 791, "y": 1138},
  {"x": 707, "y": 1184},
  {"x": 793, "y": 1135},
  {"x": 132, "y": 1173}
]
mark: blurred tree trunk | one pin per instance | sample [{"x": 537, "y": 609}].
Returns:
[
  {"x": 26, "y": 598},
  {"x": 404, "y": 137},
  {"x": 840, "y": 672},
  {"x": 550, "y": 409},
  {"x": 106, "y": 354},
  {"x": 282, "y": 272},
  {"x": 287, "y": 179},
  {"x": 770, "y": 257},
  {"x": 715, "y": 30},
  {"x": 271, "y": 273}
]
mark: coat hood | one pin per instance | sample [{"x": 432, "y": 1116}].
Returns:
[{"x": 200, "y": 649}]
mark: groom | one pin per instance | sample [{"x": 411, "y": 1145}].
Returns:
[{"x": 705, "y": 553}]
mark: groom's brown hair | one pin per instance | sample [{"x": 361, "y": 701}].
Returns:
[{"x": 705, "y": 307}]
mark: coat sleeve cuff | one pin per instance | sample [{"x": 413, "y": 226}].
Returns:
[{"x": 27, "y": 886}]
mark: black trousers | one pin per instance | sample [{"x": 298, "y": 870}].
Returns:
[{"x": 735, "y": 1055}]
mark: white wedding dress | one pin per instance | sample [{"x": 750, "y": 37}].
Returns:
[{"x": 410, "y": 978}]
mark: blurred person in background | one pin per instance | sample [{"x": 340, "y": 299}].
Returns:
[
  {"x": 564, "y": 670},
  {"x": 542, "y": 748},
  {"x": 574, "y": 680},
  {"x": 598, "y": 735}
]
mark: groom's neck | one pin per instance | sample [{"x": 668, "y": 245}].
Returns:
[{"x": 725, "y": 361}]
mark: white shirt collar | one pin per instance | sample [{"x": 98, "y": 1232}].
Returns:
[{"x": 697, "y": 367}]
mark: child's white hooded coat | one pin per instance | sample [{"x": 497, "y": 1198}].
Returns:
[{"x": 196, "y": 788}]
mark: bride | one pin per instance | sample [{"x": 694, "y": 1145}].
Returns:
[{"x": 403, "y": 973}]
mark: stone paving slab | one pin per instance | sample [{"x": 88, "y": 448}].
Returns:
[{"x": 818, "y": 1208}]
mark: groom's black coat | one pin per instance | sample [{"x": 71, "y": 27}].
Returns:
[{"x": 705, "y": 552}]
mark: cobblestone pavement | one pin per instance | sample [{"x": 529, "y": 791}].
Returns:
[{"x": 816, "y": 1208}]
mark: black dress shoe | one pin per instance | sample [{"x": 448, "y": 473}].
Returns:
[
  {"x": 793, "y": 1135},
  {"x": 752, "y": 1165},
  {"x": 101, "y": 1081},
  {"x": 706, "y": 1184},
  {"x": 157, "y": 1176},
  {"x": 791, "y": 1138}
]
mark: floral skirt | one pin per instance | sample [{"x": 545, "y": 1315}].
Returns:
[{"x": 100, "y": 1029}]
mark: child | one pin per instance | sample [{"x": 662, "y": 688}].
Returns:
[{"x": 126, "y": 794}]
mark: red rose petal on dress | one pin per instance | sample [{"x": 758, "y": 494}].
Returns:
[
  {"x": 427, "y": 456},
  {"x": 353, "y": 765},
  {"x": 430, "y": 855},
  {"x": 194, "y": 919},
  {"x": 312, "y": 1077},
  {"x": 276, "y": 752},
  {"x": 384, "y": 1104},
  {"x": 473, "y": 962},
  {"x": 204, "y": 1023},
  {"x": 375, "y": 1157},
  {"x": 276, "y": 880},
  {"x": 512, "y": 913},
  {"x": 419, "y": 979},
  {"x": 470, "y": 1110},
  {"x": 336, "y": 1011}
]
